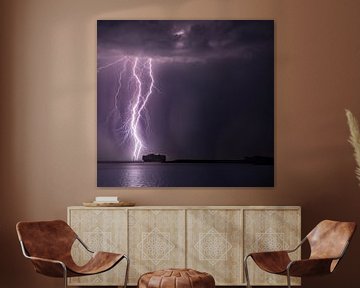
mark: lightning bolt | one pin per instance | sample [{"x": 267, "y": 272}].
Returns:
[
  {"x": 135, "y": 115},
  {"x": 110, "y": 64},
  {"x": 140, "y": 88},
  {"x": 115, "y": 109}
]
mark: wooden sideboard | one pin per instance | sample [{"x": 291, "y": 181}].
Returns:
[{"x": 213, "y": 239}]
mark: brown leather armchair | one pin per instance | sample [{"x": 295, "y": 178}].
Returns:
[
  {"x": 48, "y": 245},
  {"x": 328, "y": 242}
]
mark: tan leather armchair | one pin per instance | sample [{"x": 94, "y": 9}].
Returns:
[
  {"x": 48, "y": 245},
  {"x": 328, "y": 242}
]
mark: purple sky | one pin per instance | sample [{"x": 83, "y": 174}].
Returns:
[{"x": 213, "y": 95}]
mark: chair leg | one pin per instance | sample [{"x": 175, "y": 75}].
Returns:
[
  {"x": 246, "y": 270},
  {"x": 127, "y": 271},
  {"x": 288, "y": 278},
  {"x": 65, "y": 275}
]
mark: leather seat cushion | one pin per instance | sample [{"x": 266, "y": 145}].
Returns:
[{"x": 176, "y": 278}]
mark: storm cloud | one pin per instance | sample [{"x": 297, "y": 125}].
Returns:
[{"x": 184, "y": 41}]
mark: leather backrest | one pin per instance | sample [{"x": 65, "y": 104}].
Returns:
[
  {"x": 46, "y": 239},
  {"x": 329, "y": 238}
]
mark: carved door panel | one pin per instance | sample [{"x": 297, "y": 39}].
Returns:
[
  {"x": 156, "y": 240},
  {"x": 270, "y": 230},
  {"x": 101, "y": 230},
  {"x": 214, "y": 244}
]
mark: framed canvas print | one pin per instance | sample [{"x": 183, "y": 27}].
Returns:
[{"x": 185, "y": 103}]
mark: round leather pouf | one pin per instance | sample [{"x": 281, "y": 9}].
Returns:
[{"x": 176, "y": 278}]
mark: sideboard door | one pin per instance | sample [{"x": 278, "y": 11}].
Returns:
[
  {"x": 214, "y": 244},
  {"x": 156, "y": 240},
  {"x": 101, "y": 230},
  {"x": 270, "y": 230}
]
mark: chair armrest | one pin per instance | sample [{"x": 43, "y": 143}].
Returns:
[
  {"x": 309, "y": 267},
  {"x": 83, "y": 244},
  {"x": 298, "y": 246},
  {"x": 48, "y": 267},
  {"x": 280, "y": 251},
  {"x": 45, "y": 260},
  {"x": 268, "y": 254}
]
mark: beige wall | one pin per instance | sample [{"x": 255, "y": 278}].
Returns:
[{"x": 48, "y": 119}]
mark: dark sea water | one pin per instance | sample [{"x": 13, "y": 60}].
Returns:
[{"x": 184, "y": 175}]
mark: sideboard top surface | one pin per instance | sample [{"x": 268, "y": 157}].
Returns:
[{"x": 193, "y": 207}]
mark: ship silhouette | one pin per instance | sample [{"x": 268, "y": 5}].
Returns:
[{"x": 154, "y": 158}]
